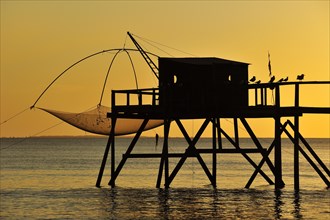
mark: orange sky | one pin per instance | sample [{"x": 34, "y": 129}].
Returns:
[{"x": 39, "y": 39}]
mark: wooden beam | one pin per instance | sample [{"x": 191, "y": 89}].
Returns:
[
  {"x": 129, "y": 150},
  {"x": 214, "y": 152},
  {"x": 296, "y": 141},
  {"x": 190, "y": 149},
  {"x": 311, "y": 162},
  {"x": 262, "y": 173},
  {"x": 105, "y": 156},
  {"x": 263, "y": 160}
]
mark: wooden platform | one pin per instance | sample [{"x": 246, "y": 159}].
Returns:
[{"x": 155, "y": 112}]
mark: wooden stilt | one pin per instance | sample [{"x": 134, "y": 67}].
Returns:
[
  {"x": 167, "y": 123},
  {"x": 164, "y": 156},
  {"x": 263, "y": 160},
  {"x": 247, "y": 157},
  {"x": 113, "y": 151},
  {"x": 278, "y": 147},
  {"x": 160, "y": 171},
  {"x": 296, "y": 142},
  {"x": 236, "y": 131},
  {"x": 258, "y": 145},
  {"x": 106, "y": 152},
  {"x": 129, "y": 150},
  {"x": 311, "y": 162},
  {"x": 214, "y": 153},
  {"x": 278, "y": 155},
  {"x": 218, "y": 133},
  {"x": 191, "y": 150},
  {"x": 310, "y": 149}
]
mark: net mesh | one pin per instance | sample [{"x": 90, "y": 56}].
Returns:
[{"x": 96, "y": 121}]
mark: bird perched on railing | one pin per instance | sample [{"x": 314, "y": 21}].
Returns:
[
  {"x": 281, "y": 80},
  {"x": 253, "y": 79},
  {"x": 258, "y": 82},
  {"x": 272, "y": 79},
  {"x": 300, "y": 77},
  {"x": 286, "y": 79}
]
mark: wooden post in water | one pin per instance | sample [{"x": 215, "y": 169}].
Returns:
[
  {"x": 214, "y": 153},
  {"x": 167, "y": 124},
  {"x": 106, "y": 152},
  {"x": 113, "y": 151},
  {"x": 296, "y": 140},
  {"x": 278, "y": 148}
]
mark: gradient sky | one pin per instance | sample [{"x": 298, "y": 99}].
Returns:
[{"x": 39, "y": 39}]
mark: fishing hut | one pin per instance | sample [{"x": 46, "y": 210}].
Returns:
[{"x": 211, "y": 89}]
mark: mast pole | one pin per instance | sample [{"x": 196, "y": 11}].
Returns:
[{"x": 145, "y": 56}]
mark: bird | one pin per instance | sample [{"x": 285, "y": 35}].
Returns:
[
  {"x": 253, "y": 79},
  {"x": 300, "y": 77},
  {"x": 286, "y": 79},
  {"x": 281, "y": 80},
  {"x": 257, "y": 82},
  {"x": 272, "y": 79}
]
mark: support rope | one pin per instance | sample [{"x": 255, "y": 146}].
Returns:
[
  {"x": 135, "y": 76},
  {"x": 108, "y": 72},
  {"x": 148, "y": 41},
  {"x": 14, "y": 116},
  {"x": 24, "y": 139},
  {"x": 106, "y": 76}
]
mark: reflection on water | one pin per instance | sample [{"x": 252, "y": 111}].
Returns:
[
  {"x": 296, "y": 202},
  {"x": 54, "y": 179},
  {"x": 206, "y": 203},
  {"x": 173, "y": 203}
]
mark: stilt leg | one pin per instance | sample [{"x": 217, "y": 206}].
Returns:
[
  {"x": 160, "y": 172},
  {"x": 263, "y": 160},
  {"x": 191, "y": 150},
  {"x": 129, "y": 150},
  {"x": 296, "y": 142},
  {"x": 113, "y": 151},
  {"x": 278, "y": 155},
  {"x": 296, "y": 154},
  {"x": 214, "y": 153},
  {"x": 105, "y": 156},
  {"x": 247, "y": 157},
  {"x": 165, "y": 151}
]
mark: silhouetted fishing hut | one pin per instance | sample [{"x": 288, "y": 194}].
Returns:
[
  {"x": 211, "y": 89},
  {"x": 201, "y": 87}
]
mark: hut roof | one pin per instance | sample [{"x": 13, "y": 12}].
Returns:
[{"x": 203, "y": 60}]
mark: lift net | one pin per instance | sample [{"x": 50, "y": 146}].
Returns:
[{"x": 96, "y": 121}]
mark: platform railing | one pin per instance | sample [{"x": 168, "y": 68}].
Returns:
[
  {"x": 262, "y": 92},
  {"x": 149, "y": 96}
]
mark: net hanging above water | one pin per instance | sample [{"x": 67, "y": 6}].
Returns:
[{"x": 96, "y": 121}]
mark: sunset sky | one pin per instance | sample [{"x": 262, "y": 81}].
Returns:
[{"x": 40, "y": 39}]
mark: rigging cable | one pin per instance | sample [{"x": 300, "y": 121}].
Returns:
[
  {"x": 14, "y": 116},
  {"x": 24, "y": 139},
  {"x": 106, "y": 77},
  {"x": 40, "y": 132},
  {"x": 154, "y": 46},
  {"x": 146, "y": 40},
  {"x": 135, "y": 76}
]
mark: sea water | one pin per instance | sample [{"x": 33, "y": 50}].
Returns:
[{"x": 54, "y": 178}]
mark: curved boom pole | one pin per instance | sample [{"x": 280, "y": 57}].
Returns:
[{"x": 94, "y": 54}]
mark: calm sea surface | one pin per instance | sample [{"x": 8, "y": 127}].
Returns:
[{"x": 54, "y": 178}]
